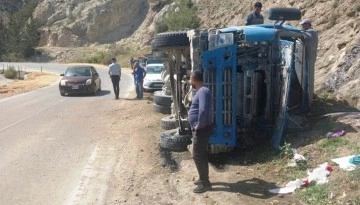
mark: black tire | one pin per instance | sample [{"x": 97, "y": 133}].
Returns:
[
  {"x": 287, "y": 14},
  {"x": 62, "y": 93},
  {"x": 168, "y": 122},
  {"x": 94, "y": 90},
  {"x": 172, "y": 141},
  {"x": 162, "y": 109},
  {"x": 170, "y": 40},
  {"x": 161, "y": 99}
]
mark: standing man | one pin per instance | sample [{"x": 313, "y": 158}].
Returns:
[
  {"x": 255, "y": 17},
  {"x": 200, "y": 117},
  {"x": 131, "y": 62},
  {"x": 115, "y": 75},
  {"x": 311, "y": 45},
  {"x": 139, "y": 75}
]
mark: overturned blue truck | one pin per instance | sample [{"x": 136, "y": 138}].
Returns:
[{"x": 258, "y": 76}]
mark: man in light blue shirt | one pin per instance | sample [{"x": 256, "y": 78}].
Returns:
[{"x": 115, "y": 75}]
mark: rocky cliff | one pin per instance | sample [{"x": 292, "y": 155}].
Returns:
[{"x": 72, "y": 23}]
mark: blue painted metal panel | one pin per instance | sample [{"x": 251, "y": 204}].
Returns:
[
  {"x": 223, "y": 60},
  {"x": 287, "y": 52}
]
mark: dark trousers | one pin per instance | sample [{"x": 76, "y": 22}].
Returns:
[
  {"x": 200, "y": 153},
  {"x": 139, "y": 89},
  {"x": 115, "y": 79}
]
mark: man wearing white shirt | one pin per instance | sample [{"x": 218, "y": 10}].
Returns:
[{"x": 115, "y": 75}]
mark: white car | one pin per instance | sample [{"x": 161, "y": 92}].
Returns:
[{"x": 153, "y": 80}]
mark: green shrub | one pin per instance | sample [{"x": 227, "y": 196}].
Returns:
[
  {"x": 335, "y": 4},
  {"x": 10, "y": 73},
  {"x": 99, "y": 58},
  {"x": 357, "y": 7},
  {"x": 180, "y": 17},
  {"x": 332, "y": 21},
  {"x": 161, "y": 26}
]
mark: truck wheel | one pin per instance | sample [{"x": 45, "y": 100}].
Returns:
[
  {"x": 161, "y": 99},
  {"x": 168, "y": 123},
  {"x": 162, "y": 108},
  {"x": 172, "y": 141},
  {"x": 170, "y": 40}
]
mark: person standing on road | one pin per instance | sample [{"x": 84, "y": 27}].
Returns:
[
  {"x": 115, "y": 75},
  {"x": 139, "y": 75},
  {"x": 200, "y": 117},
  {"x": 255, "y": 16},
  {"x": 131, "y": 62},
  {"x": 311, "y": 45}
]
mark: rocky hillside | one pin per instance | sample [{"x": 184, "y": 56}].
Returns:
[
  {"x": 71, "y": 23},
  {"x": 74, "y": 23}
]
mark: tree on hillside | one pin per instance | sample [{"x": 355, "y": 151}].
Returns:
[
  {"x": 20, "y": 36},
  {"x": 180, "y": 17}
]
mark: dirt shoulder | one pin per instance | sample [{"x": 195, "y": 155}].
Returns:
[
  {"x": 145, "y": 174},
  {"x": 31, "y": 81}
]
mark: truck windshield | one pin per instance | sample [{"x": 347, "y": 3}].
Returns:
[{"x": 220, "y": 40}]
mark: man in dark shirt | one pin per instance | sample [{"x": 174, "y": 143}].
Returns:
[
  {"x": 200, "y": 117},
  {"x": 255, "y": 17},
  {"x": 139, "y": 75}
]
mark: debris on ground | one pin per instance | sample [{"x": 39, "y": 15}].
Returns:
[
  {"x": 298, "y": 159},
  {"x": 317, "y": 176},
  {"x": 348, "y": 163},
  {"x": 336, "y": 133}
]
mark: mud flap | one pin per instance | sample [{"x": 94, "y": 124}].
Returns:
[{"x": 287, "y": 52}]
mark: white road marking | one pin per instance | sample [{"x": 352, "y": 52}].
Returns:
[
  {"x": 94, "y": 179},
  {"x": 27, "y": 117},
  {"x": 84, "y": 179}
]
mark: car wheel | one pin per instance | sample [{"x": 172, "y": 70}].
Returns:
[
  {"x": 99, "y": 86},
  {"x": 168, "y": 40},
  {"x": 94, "y": 90},
  {"x": 161, "y": 99},
  {"x": 168, "y": 122},
  {"x": 173, "y": 141},
  {"x": 162, "y": 109}
]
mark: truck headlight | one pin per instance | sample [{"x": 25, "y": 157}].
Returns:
[
  {"x": 88, "y": 82},
  {"x": 62, "y": 82}
]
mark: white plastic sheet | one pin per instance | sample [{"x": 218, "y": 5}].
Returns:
[{"x": 344, "y": 163}]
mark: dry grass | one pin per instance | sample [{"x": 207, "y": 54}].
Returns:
[{"x": 32, "y": 81}]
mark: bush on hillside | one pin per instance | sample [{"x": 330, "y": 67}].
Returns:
[
  {"x": 180, "y": 17},
  {"x": 10, "y": 73}
]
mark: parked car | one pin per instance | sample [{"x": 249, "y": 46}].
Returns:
[
  {"x": 153, "y": 80},
  {"x": 80, "y": 79}
]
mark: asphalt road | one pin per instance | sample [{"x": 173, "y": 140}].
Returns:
[{"x": 48, "y": 143}]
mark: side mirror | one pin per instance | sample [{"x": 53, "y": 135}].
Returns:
[{"x": 62, "y": 74}]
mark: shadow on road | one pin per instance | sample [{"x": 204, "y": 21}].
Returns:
[
  {"x": 254, "y": 187},
  {"x": 98, "y": 94}
]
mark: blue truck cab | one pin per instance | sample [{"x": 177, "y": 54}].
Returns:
[{"x": 257, "y": 74}]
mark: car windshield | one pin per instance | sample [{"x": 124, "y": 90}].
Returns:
[
  {"x": 154, "y": 69},
  {"x": 78, "y": 71}
]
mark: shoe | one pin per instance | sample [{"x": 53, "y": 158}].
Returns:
[
  {"x": 201, "y": 188},
  {"x": 197, "y": 182}
]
